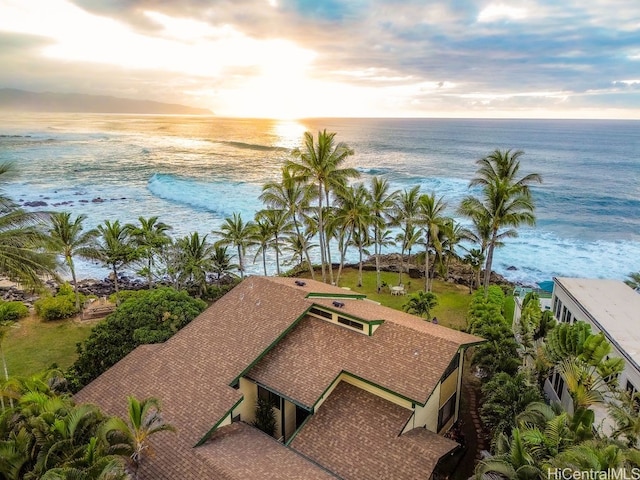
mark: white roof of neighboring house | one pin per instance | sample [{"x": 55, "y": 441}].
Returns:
[{"x": 613, "y": 307}]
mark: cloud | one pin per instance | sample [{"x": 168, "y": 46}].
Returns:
[{"x": 377, "y": 57}]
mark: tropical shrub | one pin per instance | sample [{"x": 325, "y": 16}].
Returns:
[
  {"x": 12, "y": 311},
  {"x": 149, "y": 316},
  {"x": 62, "y": 305},
  {"x": 504, "y": 398},
  {"x": 265, "y": 418},
  {"x": 55, "y": 308}
]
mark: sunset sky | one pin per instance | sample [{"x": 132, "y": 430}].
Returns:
[{"x": 315, "y": 58}]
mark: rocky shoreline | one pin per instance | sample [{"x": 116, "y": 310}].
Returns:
[{"x": 459, "y": 273}]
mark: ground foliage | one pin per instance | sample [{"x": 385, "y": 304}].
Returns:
[{"x": 149, "y": 316}]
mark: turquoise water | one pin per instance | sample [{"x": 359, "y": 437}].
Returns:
[{"x": 194, "y": 171}]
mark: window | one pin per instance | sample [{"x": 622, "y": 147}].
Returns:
[
  {"x": 631, "y": 388},
  {"x": 321, "y": 313},
  {"x": 557, "y": 384},
  {"x": 558, "y": 310},
  {"x": 271, "y": 397},
  {"x": 564, "y": 314},
  {"x": 350, "y": 323},
  {"x": 447, "y": 411}
]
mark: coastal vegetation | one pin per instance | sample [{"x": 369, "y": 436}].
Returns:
[
  {"x": 46, "y": 435},
  {"x": 529, "y": 436},
  {"x": 316, "y": 211}
]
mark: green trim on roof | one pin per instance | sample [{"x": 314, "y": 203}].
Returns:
[
  {"x": 355, "y": 296},
  {"x": 269, "y": 347},
  {"x": 344, "y": 372},
  {"x": 288, "y": 442},
  {"x": 344, "y": 314},
  {"x": 410, "y": 400},
  {"x": 282, "y": 395},
  {"x": 217, "y": 424}
]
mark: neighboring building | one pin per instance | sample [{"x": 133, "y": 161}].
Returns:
[
  {"x": 360, "y": 391},
  {"x": 609, "y": 306}
]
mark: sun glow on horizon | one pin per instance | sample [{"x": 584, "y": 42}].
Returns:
[{"x": 253, "y": 66}]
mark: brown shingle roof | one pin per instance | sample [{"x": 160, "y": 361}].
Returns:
[
  {"x": 261, "y": 456},
  {"x": 192, "y": 371},
  {"x": 357, "y": 435},
  {"x": 404, "y": 360}
]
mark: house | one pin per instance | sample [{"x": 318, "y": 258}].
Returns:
[
  {"x": 609, "y": 306},
  {"x": 359, "y": 391}
]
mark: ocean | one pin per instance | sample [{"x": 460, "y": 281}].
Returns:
[{"x": 194, "y": 171}]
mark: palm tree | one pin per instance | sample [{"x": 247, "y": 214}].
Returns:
[
  {"x": 381, "y": 204},
  {"x": 321, "y": 163},
  {"x": 405, "y": 215},
  {"x": 113, "y": 248},
  {"x": 475, "y": 259},
  {"x": 407, "y": 240},
  {"x": 298, "y": 245},
  {"x": 22, "y": 256},
  {"x": 505, "y": 202},
  {"x": 292, "y": 198},
  {"x": 634, "y": 280},
  {"x": 66, "y": 237},
  {"x": 421, "y": 303},
  {"x": 626, "y": 417},
  {"x": 150, "y": 236},
  {"x": 361, "y": 240},
  {"x": 352, "y": 217},
  {"x": 132, "y": 437},
  {"x": 221, "y": 262},
  {"x": 279, "y": 225},
  {"x": 262, "y": 235},
  {"x": 196, "y": 260},
  {"x": 430, "y": 213},
  {"x": 236, "y": 233},
  {"x": 513, "y": 461}
]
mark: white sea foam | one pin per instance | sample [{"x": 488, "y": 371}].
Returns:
[{"x": 193, "y": 172}]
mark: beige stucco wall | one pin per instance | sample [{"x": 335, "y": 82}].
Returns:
[
  {"x": 426, "y": 416},
  {"x": 247, "y": 408},
  {"x": 289, "y": 419},
  {"x": 449, "y": 386},
  {"x": 226, "y": 420}
]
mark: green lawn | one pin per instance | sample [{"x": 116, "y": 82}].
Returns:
[
  {"x": 453, "y": 300},
  {"x": 32, "y": 345}
]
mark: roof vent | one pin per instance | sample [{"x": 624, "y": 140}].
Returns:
[
  {"x": 338, "y": 304},
  {"x": 300, "y": 283}
]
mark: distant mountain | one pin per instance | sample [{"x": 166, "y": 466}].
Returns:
[{"x": 12, "y": 99}]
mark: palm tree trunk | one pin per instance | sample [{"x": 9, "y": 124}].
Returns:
[
  {"x": 306, "y": 250},
  {"x": 264, "y": 262},
  {"x": 149, "y": 275},
  {"x": 426, "y": 266},
  {"x": 401, "y": 266},
  {"x": 115, "y": 283},
  {"x": 6, "y": 375},
  {"x": 321, "y": 234},
  {"x": 75, "y": 282},
  {"x": 277, "y": 256},
  {"x": 240, "y": 262},
  {"x": 487, "y": 268},
  {"x": 376, "y": 253},
  {"x": 329, "y": 261},
  {"x": 360, "y": 267},
  {"x": 343, "y": 254}
]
